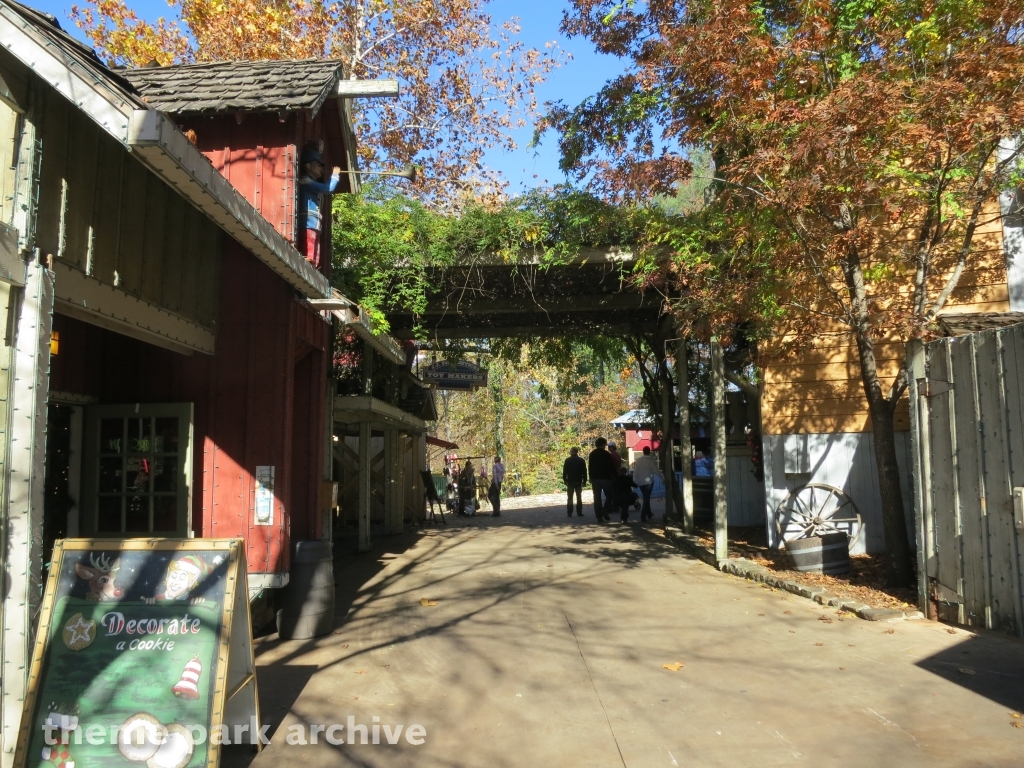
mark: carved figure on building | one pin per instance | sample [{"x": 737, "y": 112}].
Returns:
[{"x": 311, "y": 192}]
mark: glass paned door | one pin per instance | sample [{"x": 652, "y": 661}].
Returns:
[{"x": 137, "y": 470}]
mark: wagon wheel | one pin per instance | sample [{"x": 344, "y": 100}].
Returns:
[{"x": 817, "y": 509}]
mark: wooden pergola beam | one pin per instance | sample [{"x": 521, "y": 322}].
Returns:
[
  {"x": 476, "y": 304},
  {"x": 523, "y": 331}
]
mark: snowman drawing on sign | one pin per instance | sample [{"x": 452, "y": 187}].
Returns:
[{"x": 182, "y": 577}]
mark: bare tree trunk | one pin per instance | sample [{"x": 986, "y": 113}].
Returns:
[
  {"x": 496, "y": 382},
  {"x": 894, "y": 519}
]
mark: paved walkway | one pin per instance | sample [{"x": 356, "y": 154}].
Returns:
[{"x": 546, "y": 649}]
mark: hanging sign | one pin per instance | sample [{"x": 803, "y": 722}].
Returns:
[
  {"x": 143, "y": 656},
  {"x": 462, "y": 375}
]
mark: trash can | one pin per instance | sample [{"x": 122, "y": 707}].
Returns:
[{"x": 307, "y": 603}]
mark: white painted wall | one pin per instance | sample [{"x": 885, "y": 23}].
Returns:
[{"x": 845, "y": 460}]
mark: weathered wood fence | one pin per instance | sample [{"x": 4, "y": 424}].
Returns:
[{"x": 967, "y": 397}]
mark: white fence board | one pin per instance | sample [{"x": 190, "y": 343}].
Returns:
[{"x": 975, "y": 413}]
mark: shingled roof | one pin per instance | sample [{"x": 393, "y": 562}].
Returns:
[
  {"x": 952, "y": 324},
  {"x": 237, "y": 86}
]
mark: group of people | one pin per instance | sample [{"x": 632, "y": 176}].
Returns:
[
  {"x": 610, "y": 478},
  {"x": 468, "y": 485}
]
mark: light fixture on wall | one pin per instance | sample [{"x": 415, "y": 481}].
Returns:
[{"x": 54, "y": 343}]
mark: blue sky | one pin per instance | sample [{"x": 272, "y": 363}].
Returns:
[{"x": 539, "y": 19}]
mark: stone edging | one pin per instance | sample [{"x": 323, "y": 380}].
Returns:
[{"x": 741, "y": 567}]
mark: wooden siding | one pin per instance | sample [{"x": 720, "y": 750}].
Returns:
[
  {"x": 243, "y": 397},
  {"x": 104, "y": 213},
  {"x": 412, "y": 450},
  {"x": 260, "y": 154},
  {"x": 821, "y": 391}
]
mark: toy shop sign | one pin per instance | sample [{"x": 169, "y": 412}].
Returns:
[
  {"x": 460, "y": 376},
  {"x": 144, "y": 647}
]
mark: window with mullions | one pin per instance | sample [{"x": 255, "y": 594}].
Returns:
[{"x": 138, "y": 461}]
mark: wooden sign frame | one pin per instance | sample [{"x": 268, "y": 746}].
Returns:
[{"x": 235, "y": 695}]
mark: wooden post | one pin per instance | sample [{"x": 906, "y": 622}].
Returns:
[
  {"x": 668, "y": 468},
  {"x": 401, "y": 446},
  {"x": 683, "y": 398},
  {"x": 364, "y": 486},
  {"x": 327, "y": 513},
  {"x": 920, "y": 461},
  {"x": 718, "y": 432},
  {"x": 390, "y": 449}
]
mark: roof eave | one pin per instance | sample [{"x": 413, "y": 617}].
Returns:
[{"x": 162, "y": 147}]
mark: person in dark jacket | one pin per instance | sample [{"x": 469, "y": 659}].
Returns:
[
  {"x": 574, "y": 475},
  {"x": 623, "y": 493},
  {"x": 614, "y": 453},
  {"x": 602, "y": 473}
]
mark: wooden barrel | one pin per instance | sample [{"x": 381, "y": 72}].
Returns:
[
  {"x": 703, "y": 499},
  {"x": 822, "y": 554},
  {"x": 307, "y": 603}
]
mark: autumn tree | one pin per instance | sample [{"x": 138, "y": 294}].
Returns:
[
  {"x": 858, "y": 148},
  {"x": 543, "y": 397},
  {"x": 466, "y": 83}
]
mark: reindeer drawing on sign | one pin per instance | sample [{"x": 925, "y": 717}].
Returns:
[{"x": 100, "y": 573}]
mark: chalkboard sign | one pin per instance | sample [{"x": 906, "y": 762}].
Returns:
[{"x": 143, "y": 656}]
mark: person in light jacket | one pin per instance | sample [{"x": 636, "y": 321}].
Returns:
[{"x": 645, "y": 469}]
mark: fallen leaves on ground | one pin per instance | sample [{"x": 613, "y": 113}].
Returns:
[
  {"x": 951, "y": 631},
  {"x": 966, "y": 671},
  {"x": 825, "y": 619},
  {"x": 1015, "y": 714},
  {"x": 427, "y": 603},
  {"x": 674, "y": 667},
  {"x": 865, "y": 583},
  {"x": 889, "y": 631},
  {"x": 760, "y": 614},
  {"x": 819, "y": 644},
  {"x": 1017, "y": 724},
  {"x": 788, "y": 613},
  {"x": 360, "y": 671}
]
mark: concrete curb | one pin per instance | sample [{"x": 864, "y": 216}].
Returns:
[{"x": 744, "y": 568}]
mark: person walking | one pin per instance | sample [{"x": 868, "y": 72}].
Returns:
[
  {"x": 467, "y": 489},
  {"x": 622, "y": 493},
  {"x": 616, "y": 458},
  {"x": 574, "y": 475},
  {"x": 645, "y": 469},
  {"x": 601, "y": 467},
  {"x": 494, "y": 493}
]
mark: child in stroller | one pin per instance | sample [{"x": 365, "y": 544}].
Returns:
[{"x": 623, "y": 495}]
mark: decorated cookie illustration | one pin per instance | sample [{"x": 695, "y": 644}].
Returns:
[
  {"x": 142, "y": 738},
  {"x": 139, "y": 737},
  {"x": 79, "y": 633},
  {"x": 177, "y": 749}
]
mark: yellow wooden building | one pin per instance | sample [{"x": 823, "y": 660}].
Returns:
[{"x": 815, "y": 422}]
